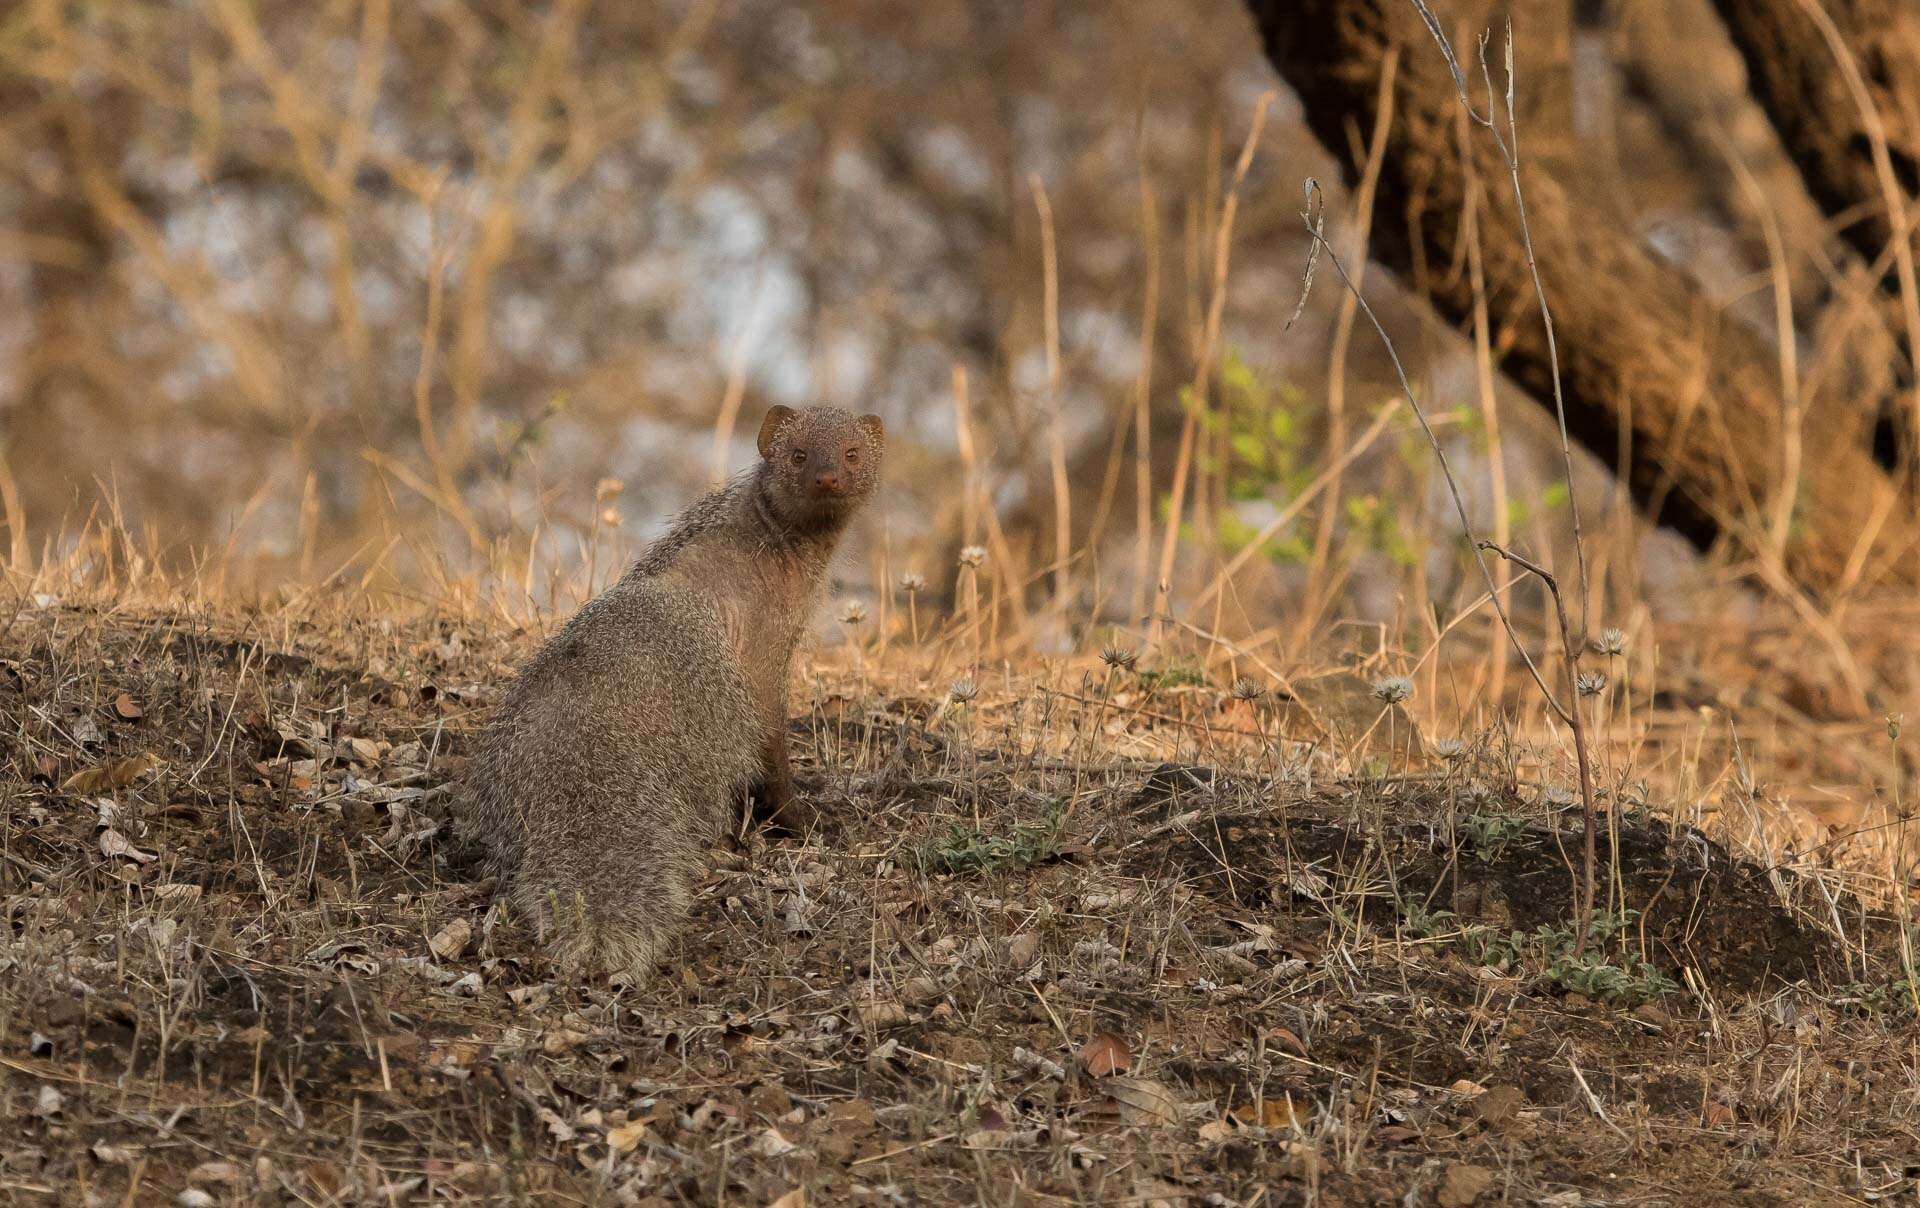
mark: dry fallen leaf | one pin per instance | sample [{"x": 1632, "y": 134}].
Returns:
[
  {"x": 109, "y": 776},
  {"x": 450, "y": 941},
  {"x": 1463, "y": 1184},
  {"x": 1286, "y": 1038},
  {"x": 1498, "y": 1106},
  {"x": 1143, "y": 1101},
  {"x": 626, "y": 1136},
  {"x": 113, "y": 843},
  {"x": 1395, "y": 1134},
  {"x": 882, "y": 1013},
  {"x": 1268, "y": 1113},
  {"x": 797, "y": 1198},
  {"x": 128, "y": 708},
  {"x": 1106, "y": 1054}
]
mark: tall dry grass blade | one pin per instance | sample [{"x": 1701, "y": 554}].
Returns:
[{"x": 1315, "y": 602}]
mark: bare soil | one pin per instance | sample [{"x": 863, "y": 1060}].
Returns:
[{"x": 1012, "y": 967}]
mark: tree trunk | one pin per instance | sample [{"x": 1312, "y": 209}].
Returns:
[
  {"x": 1803, "y": 84},
  {"x": 1682, "y": 400}
]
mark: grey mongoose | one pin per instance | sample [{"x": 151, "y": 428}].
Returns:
[{"x": 623, "y": 746}]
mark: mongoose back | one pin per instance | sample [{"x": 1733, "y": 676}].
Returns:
[{"x": 622, "y": 746}]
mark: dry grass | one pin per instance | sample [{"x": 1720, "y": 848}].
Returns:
[{"x": 1073, "y": 932}]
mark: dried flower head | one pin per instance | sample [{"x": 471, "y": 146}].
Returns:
[
  {"x": 1449, "y": 749},
  {"x": 610, "y": 517},
  {"x": 912, "y": 583},
  {"x": 1591, "y": 683},
  {"x": 974, "y": 556},
  {"x": 1119, "y": 659},
  {"x": 1611, "y": 643},
  {"x": 1893, "y": 726},
  {"x": 1246, "y": 689},
  {"x": 1393, "y": 689},
  {"x": 962, "y": 690},
  {"x": 1556, "y": 797},
  {"x": 853, "y": 612},
  {"x": 607, "y": 488}
]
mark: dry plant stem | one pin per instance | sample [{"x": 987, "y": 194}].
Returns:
[
  {"x": 1892, "y": 193},
  {"x": 1509, "y": 148},
  {"x": 1343, "y": 338},
  {"x": 1483, "y": 375},
  {"x": 1319, "y": 246},
  {"x": 1573, "y": 717},
  {"x": 1056, "y": 439},
  {"x": 1143, "y": 401},
  {"x": 1782, "y": 520},
  {"x": 1203, "y": 361}
]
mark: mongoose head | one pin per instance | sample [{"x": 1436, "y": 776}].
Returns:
[{"x": 820, "y": 462}]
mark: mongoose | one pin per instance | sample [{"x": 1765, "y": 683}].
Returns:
[{"x": 623, "y": 745}]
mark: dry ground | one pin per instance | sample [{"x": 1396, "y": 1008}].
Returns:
[{"x": 1090, "y": 936}]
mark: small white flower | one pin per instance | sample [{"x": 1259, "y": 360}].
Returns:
[
  {"x": 1449, "y": 749},
  {"x": 974, "y": 556},
  {"x": 853, "y": 612},
  {"x": 1611, "y": 642},
  {"x": 912, "y": 584},
  {"x": 1393, "y": 689},
  {"x": 962, "y": 690},
  {"x": 1591, "y": 683}
]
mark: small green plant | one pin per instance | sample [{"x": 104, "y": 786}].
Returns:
[
  {"x": 1547, "y": 953},
  {"x": 1895, "y": 997},
  {"x": 1489, "y": 835},
  {"x": 966, "y": 849}
]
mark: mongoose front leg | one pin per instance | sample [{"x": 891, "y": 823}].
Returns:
[{"x": 777, "y": 806}]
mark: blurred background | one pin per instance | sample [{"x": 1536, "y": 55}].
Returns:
[{"x": 479, "y": 291}]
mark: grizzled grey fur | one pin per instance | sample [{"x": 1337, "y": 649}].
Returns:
[{"x": 622, "y": 747}]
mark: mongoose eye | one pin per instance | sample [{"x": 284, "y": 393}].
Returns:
[
  {"x": 799, "y": 457},
  {"x": 853, "y": 456}
]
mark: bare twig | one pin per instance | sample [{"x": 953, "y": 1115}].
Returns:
[
  {"x": 1509, "y": 147},
  {"x": 1316, "y": 233},
  {"x": 1574, "y": 720}
]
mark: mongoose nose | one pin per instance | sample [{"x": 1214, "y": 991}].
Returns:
[{"x": 827, "y": 480}]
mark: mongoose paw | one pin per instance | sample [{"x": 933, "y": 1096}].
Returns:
[{"x": 789, "y": 817}]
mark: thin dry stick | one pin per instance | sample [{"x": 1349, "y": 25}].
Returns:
[
  {"x": 1510, "y": 155},
  {"x": 1483, "y": 374},
  {"x": 969, "y": 463},
  {"x": 1343, "y": 334},
  {"x": 730, "y": 400},
  {"x": 1788, "y": 492},
  {"x": 1203, "y": 361},
  {"x": 1313, "y": 216},
  {"x": 1143, "y": 401},
  {"x": 1318, "y": 245},
  {"x": 1575, "y": 719},
  {"x": 1891, "y": 191},
  {"x": 1056, "y": 439}
]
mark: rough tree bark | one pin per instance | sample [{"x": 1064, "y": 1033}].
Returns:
[
  {"x": 1795, "y": 72},
  {"x": 1681, "y": 400}
]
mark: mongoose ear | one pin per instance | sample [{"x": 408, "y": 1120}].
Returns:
[
  {"x": 875, "y": 430},
  {"x": 777, "y": 415}
]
